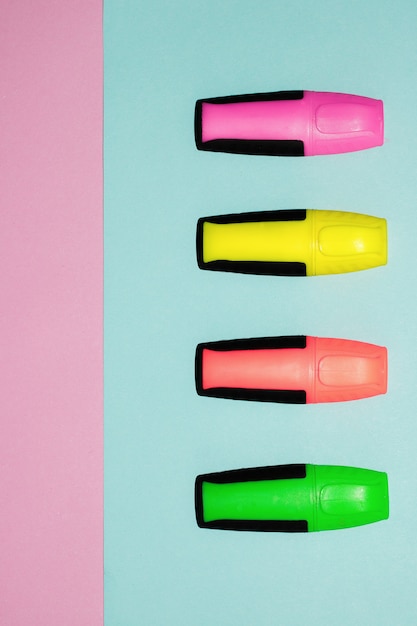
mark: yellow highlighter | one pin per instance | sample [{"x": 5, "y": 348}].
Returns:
[{"x": 301, "y": 242}]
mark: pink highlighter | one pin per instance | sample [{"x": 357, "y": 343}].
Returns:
[
  {"x": 293, "y": 369},
  {"x": 289, "y": 123}
]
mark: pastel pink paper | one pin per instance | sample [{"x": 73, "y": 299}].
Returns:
[{"x": 51, "y": 345}]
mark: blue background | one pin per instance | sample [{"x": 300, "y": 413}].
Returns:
[{"x": 160, "y": 568}]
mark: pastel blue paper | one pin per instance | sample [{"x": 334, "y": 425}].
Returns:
[{"x": 160, "y": 568}]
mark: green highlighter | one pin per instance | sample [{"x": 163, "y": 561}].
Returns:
[{"x": 291, "y": 498}]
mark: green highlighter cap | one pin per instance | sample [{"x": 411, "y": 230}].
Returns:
[{"x": 291, "y": 498}]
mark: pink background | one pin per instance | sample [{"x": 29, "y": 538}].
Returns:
[{"x": 51, "y": 401}]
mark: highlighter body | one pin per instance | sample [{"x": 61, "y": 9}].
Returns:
[
  {"x": 291, "y": 369},
  {"x": 289, "y": 123},
  {"x": 291, "y": 498},
  {"x": 300, "y": 242}
]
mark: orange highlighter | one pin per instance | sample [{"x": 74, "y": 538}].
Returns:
[{"x": 292, "y": 369}]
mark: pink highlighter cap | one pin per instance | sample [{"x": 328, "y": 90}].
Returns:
[{"x": 289, "y": 123}]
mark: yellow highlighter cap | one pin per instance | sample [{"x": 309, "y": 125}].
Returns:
[
  {"x": 348, "y": 242},
  {"x": 291, "y": 243}
]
